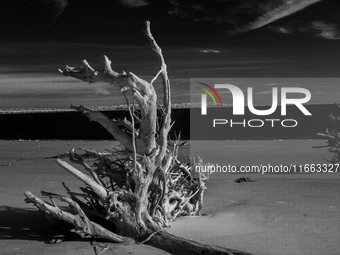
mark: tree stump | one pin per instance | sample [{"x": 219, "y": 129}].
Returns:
[{"x": 141, "y": 188}]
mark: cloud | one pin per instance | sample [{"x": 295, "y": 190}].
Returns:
[
  {"x": 238, "y": 16},
  {"x": 102, "y": 91},
  {"x": 232, "y": 16},
  {"x": 321, "y": 20},
  {"x": 281, "y": 16},
  {"x": 134, "y": 3},
  {"x": 324, "y": 29}
]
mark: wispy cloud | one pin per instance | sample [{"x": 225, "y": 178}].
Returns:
[
  {"x": 321, "y": 20},
  {"x": 232, "y": 16},
  {"x": 134, "y": 3},
  {"x": 324, "y": 29},
  {"x": 245, "y": 15},
  {"x": 102, "y": 91},
  {"x": 239, "y": 16}
]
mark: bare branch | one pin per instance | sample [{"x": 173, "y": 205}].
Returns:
[
  {"x": 82, "y": 224},
  {"x": 97, "y": 189},
  {"x": 166, "y": 125},
  {"x": 112, "y": 127}
]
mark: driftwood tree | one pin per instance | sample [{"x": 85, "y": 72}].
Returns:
[{"x": 136, "y": 191}]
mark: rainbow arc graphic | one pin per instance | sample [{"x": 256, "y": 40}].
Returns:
[{"x": 204, "y": 97}]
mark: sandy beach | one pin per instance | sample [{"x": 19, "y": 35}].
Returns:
[
  {"x": 266, "y": 216},
  {"x": 275, "y": 62}
]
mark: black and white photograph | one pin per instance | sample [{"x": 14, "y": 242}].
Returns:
[{"x": 170, "y": 127}]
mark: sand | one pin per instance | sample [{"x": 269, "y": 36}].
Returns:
[{"x": 276, "y": 215}]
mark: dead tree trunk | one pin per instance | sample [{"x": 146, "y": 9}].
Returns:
[{"x": 141, "y": 188}]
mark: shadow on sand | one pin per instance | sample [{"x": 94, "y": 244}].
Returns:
[{"x": 28, "y": 224}]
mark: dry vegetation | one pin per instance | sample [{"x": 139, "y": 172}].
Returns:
[{"x": 332, "y": 135}]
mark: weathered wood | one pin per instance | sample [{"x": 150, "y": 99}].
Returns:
[
  {"x": 142, "y": 188},
  {"x": 111, "y": 126},
  {"x": 99, "y": 190},
  {"x": 83, "y": 226},
  {"x": 143, "y": 92},
  {"x": 178, "y": 245},
  {"x": 166, "y": 123}
]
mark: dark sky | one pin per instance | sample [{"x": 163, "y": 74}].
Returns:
[
  {"x": 302, "y": 35},
  {"x": 203, "y": 38},
  {"x": 176, "y": 22}
]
